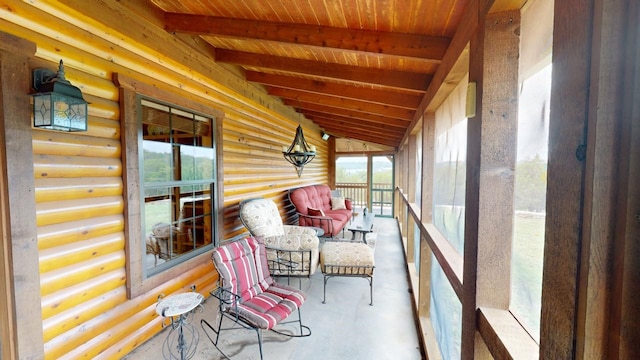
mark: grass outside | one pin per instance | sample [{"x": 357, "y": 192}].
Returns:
[
  {"x": 526, "y": 279},
  {"x": 155, "y": 212},
  {"x": 526, "y": 271}
]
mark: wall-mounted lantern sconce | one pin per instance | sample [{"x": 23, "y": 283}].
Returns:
[
  {"x": 57, "y": 105},
  {"x": 299, "y": 153},
  {"x": 325, "y": 136}
]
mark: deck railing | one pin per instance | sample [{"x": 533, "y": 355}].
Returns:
[{"x": 382, "y": 196}]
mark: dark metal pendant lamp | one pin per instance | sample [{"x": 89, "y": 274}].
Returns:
[{"x": 299, "y": 153}]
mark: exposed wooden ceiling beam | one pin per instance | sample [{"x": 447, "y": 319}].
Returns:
[
  {"x": 388, "y": 78},
  {"x": 377, "y": 42},
  {"x": 357, "y": 132},
  {"x": 392, "y": 98},
  {"x": 347, "y": 113},
  {"x": 354, "y": 128},
  {"x": 349, "y": 104},
  {"x": 345, "y": 121}
]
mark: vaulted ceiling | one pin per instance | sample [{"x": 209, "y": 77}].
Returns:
[{"x": 359, "y": 69}]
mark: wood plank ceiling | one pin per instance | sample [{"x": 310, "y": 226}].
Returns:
[{"x": 357, "y": 68}]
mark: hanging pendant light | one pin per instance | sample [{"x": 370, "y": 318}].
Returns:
[{"x": 299, "y": 153}]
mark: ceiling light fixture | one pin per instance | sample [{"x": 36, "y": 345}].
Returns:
[{"x": 299, "y": 153}]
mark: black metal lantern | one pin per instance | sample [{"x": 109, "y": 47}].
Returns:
[
  {"x": 299, "y": 153},
  {"x": 57, "y": 105}
]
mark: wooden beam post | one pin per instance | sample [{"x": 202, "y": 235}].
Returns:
[
  {"x": 426, "y": 216},
  {"x": 566, "y": 169},
  {"x": 410, "y": 189},
  {"x": 607, "y": 193},
  {"x": 497, "y": 158},
  {"x": 491, "y": 158},
  {"x": 331, "y": 161},
  {"x": 625, "y": 329},
  {"x": 21, "y": 324}
]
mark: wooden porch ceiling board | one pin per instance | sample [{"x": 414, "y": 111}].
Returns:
[
  {"x": 428, "y": 17},
  {"x": 357, "y": 131},
  {"x": 376, "y": 96},
  {"x": 387, "y": 78},
  {"x": 326, "y": 55},
  {"x": 430, "y": 48},
  {"x": 348, "y": 104},
  {"x": 359, "y": 63},
  {"x": 390, "y": 129},
  {"x": 352, "y": 114}
]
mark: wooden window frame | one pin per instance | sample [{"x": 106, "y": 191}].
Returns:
[{"x": 130, "y": 89}]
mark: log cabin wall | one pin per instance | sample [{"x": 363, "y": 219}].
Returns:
[{"x": 79, "y": 176}]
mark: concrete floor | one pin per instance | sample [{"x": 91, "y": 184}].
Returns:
[{"x": 346, "y": 327}]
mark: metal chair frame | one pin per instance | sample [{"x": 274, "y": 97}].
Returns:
[
  {"x": 347, "y": 271},
  {"x": 229, "y": 300},
  {"x": 283, "y": 263}
]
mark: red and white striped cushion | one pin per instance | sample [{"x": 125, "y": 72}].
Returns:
[
  {"x": 266, "y": 310},
  {"x": 243, "y": 269}
]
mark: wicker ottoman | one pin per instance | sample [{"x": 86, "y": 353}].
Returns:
[{"x": 344, "y": 258}]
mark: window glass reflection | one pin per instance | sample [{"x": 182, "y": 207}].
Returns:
[{"x": 178, "y": 178}]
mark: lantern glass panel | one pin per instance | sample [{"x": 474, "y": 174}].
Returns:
[
  {"x": 58, "y": 112},
  {"x": 42, "y": 110}
]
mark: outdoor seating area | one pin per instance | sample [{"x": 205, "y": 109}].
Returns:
[
  {"x": 451, "y": 179},
  {"x": 317, "y": 207},
  {"x": 384, "y": 331}
]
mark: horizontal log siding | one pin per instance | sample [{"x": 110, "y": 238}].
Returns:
[{"x": 78, "y": 176}]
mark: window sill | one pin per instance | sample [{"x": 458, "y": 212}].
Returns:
[{"x": 504, "y": 336}]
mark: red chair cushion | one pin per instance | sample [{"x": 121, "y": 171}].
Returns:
[
  {"x": 272, "y": 306},
  {"x": 315, "y": 212},
  {"x": 243, "y": 270}
]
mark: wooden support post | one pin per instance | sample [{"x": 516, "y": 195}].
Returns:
[
  {"x": 21, "y": 325},
  {"x": 426, "y": 212},
  {"x": 566, "y": 170},
  {"x": 625, "y": 328},
  {"x": 331, "y": 161},
  {"x": 497, "y": 159},
  {"x": 608, "y": 224},
  {"x": 491, "y": 158},
  {"x": 411, "y": 195}
]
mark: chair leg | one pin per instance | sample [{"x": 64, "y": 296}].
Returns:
[
  {"x": 259, "y": 332},
  {"x": 204, "y": 322},
  {"x": 219, "y": 327},
  {"x": 371, "y": 290},
  {"x": 324, "y": 290},
  {"x": 327, "y": 277}
]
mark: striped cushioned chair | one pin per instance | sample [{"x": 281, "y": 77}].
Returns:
[{"x": 248, "y": 295}]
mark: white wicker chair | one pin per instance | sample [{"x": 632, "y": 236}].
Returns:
[{"x": 291, "y": 250}]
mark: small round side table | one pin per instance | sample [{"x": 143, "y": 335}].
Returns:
[{"x": 182, "y": 340}]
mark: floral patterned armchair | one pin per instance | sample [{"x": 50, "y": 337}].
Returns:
[{"x": 291, "y": 250}]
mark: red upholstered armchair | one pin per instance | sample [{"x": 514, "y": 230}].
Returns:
[{"x": 316, "y": 207}]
